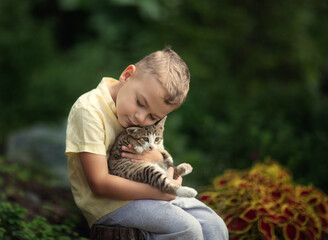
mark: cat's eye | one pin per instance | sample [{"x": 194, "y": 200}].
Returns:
[
  {"x": 157, "y": 139},
  {"x": 145, "y": 139}
]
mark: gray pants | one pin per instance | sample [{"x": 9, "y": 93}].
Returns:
[{"x": 182, "y": 218}]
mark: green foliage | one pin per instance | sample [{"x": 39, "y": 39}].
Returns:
[
  {"x": 14, "y": 224},
  {"x": 259, "y": 73},
  {"x": 32, "y": 208},
  {"x": 25, "y": 173}
]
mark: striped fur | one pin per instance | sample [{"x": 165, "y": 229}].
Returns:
[{"x": 147, "y": 139}]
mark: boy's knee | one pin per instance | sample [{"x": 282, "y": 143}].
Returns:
[
  {"x": 193, "y": 230},
  {"x": 220, "y": 228},
  {"x": 224, "y": 230}
]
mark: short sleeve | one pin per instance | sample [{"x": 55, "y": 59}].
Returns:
[{"x": 85, "y": 132}]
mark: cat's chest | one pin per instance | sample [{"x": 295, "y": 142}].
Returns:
[{"x": 160, "y": 166}]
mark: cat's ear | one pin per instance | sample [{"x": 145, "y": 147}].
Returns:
[
  {"x": 132, "y": 130},
  {"x": 161, "y": 122}
]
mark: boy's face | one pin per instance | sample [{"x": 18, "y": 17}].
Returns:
[{"x": 140, "y": 100}]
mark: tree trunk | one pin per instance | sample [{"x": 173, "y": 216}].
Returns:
[{"x": 102, "y": 232}]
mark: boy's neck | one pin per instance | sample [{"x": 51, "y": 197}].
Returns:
[{"x": 113, "y": 90}]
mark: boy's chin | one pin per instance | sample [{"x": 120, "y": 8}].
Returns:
[
  {"x": 123, "y": 123},
  {"x": 126, "y": 124}
]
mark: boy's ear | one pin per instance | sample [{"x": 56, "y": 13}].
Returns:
[
  {"x": 161, "y": 122},
  {"x": 127, "y": 73}
]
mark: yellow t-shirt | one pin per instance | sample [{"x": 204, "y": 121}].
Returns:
[{"x": 92, "y": 127}]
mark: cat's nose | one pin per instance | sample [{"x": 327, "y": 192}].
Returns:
[{"x": 151, "y": 148}]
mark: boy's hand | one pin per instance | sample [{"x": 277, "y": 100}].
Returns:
[
  {"x": 170, "y": 173},
  {"x": 152, "y": 156}
]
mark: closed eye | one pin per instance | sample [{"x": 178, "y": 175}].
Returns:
[
  {"x": 139, "y": 103},
  {"x": 151, "y": 116}
]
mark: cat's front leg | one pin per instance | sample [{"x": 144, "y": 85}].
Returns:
[{"x": 167, "y": 156}]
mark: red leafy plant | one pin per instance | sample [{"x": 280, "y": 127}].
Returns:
[{"x": 263, "y": 203}]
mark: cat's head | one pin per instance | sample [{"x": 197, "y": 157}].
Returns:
[{"x": 148, "y": 137}]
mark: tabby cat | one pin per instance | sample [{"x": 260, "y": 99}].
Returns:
[{"x": 148, "y": 139}]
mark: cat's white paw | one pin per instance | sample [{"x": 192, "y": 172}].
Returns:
[
  {"x": 139, "y": 149},
  {"x": 186, "y": 166},
  {"x": 186, "y": 192}
]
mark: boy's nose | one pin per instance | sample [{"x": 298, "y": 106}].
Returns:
[{"x": 140, "y": 117}]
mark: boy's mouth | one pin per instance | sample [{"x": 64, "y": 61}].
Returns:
[{"x": 130, "y": 123}]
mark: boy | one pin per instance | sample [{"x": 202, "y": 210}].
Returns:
[{"x": 144, "y": 94}]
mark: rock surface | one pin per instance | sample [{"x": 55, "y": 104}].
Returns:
[{"x": 41, "y": 146}]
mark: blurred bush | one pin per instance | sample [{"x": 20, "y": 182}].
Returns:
[
  {"x": 259, "y": 73},
  {"x": 32, "y": 207},
  {"x": 14, "y": 225},
  {"x": 264, "y": 203}
]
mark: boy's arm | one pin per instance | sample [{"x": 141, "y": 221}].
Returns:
[{"x": 106, "y": 185}]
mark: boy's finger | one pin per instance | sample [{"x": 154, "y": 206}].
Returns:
[
  {"x": 128, "y": 155},
  {"x": 170, "y": 172},
  {"x": 133, "y": 156},
  {"x": 136, "y": 160},
  {"x": 179, "y": 180},
  {"x": 128, "y": 149}
]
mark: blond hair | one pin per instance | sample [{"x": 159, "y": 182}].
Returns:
[{"x": 171, "y": 71}]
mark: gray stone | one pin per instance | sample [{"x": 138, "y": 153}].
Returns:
[{"x": 41, "y": 146}]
